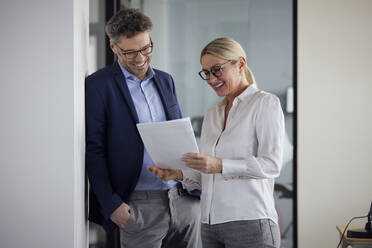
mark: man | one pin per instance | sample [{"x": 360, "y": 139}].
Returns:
[{"x": 124, "y": 194}]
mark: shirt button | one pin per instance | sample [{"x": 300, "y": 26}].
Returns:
[
  {"x": 232, "y": 177},
  {"x": 226, "y": 179}
]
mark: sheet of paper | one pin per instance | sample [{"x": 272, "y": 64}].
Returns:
[{"x": 167, "y": 141}]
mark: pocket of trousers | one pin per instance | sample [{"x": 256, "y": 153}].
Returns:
[
  {"x": 269, "y": 232},
  {"x": 132, "y": 225}
]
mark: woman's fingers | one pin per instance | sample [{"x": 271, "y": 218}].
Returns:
[
  {"x": 193, "y": 155},
  {"x": 195, "y": 166},
  {"x": 203, "y": 163},
  {"x": 194, "y": 162}
]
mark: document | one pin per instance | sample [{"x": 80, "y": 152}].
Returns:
[{"x": 167, "y": 141}]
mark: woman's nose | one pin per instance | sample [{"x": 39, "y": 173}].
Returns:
[{"x": 212, "y": 78}]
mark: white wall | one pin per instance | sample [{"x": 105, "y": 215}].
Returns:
[
  {"x": 334, "y": 117},
  {"x": 42, "y": 69},
  {"x": 80, "y": 68}
]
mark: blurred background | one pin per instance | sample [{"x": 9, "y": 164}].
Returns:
[{"x": 45, "y": 59}]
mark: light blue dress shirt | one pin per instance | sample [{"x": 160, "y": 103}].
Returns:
[{"x": 149, "y": 108}]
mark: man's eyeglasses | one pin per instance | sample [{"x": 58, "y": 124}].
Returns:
[
  {"x": 216, "y": 70},
  {"x": 130, "y": 54}
]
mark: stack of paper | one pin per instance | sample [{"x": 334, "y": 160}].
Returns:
[{"x": 167, "y": 141}]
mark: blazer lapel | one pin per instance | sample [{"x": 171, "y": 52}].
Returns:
[
  {"x": 122, "y": 85},
  {"x": 163, "y": 95}
]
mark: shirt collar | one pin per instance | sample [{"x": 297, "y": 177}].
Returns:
[
  {"x": 244, "y": 96},
  {"x": 130, "y": 77}
]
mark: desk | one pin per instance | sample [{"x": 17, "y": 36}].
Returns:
[{"x": 353, "y": 242}]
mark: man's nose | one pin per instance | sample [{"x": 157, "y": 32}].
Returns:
[{"x": 140, "y": 57}]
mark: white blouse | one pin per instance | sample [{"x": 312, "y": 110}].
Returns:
[{"x": 251, "y": 148}]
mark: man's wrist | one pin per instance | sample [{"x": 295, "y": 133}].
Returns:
[{"x": 179, "y": 175}]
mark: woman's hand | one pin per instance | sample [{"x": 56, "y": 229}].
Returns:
[
  {"x": 165, "y": 174},
  {"x": 203, "y": 163}
]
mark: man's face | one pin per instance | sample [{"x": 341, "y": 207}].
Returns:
[{"x": 134, "y": 53}]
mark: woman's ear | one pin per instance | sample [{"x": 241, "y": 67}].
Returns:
[{"x": 242, "y": 63}]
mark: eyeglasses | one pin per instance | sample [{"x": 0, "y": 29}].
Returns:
[
  {"x": 130, "y": 54},
  {"x": 216, "y": 70}
]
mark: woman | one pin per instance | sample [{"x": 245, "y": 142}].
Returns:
[{"x": 241, "y": 154}]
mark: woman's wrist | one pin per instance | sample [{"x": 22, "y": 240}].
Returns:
[{"x": 219, "y": 165}]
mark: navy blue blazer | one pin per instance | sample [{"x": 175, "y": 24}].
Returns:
[{"x": 114, "y": 149}]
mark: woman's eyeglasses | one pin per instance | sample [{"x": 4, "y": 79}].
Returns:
[{"x": 216, "y": 70}]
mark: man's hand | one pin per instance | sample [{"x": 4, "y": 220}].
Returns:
[
  {"x": 165, "y": 174},
  {"x": 203, "y": 163},
  {"x": 121, "y": 215}
]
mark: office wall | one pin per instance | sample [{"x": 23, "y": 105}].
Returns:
[
  {"x": 42, "y": 65},
  {"x": 334, "y": 117}
]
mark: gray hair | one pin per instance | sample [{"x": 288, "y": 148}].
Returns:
[{"x": 127, "y": 22}]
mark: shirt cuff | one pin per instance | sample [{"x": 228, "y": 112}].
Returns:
[
  {"x": 190, "y": 181},
  {"x": 234, "y": 168}
]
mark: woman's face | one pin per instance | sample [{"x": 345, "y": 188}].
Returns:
[{"x": 229, "y": 82}]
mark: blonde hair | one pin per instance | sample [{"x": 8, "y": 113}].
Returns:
[{"x": 228, "y": 49}]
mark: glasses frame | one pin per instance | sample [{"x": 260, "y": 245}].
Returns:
[
  {"x": 126, "y": 52},
  {"x": 216, "y": 70}
]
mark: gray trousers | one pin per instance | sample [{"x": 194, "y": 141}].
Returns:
[
  {"x": 262, "y": 233},
  {"x": 162, "y": 219}
]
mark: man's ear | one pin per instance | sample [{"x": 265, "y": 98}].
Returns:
[{"x": 112, "y": 46}]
